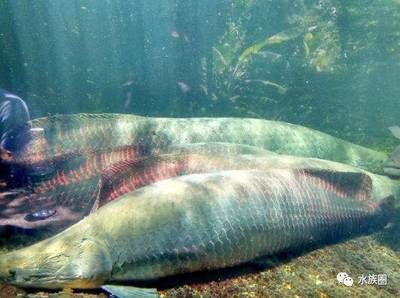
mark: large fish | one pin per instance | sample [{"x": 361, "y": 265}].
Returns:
[
  {"x": 70, "y": 133},
  {"x": 72, "y": 201},
  {"x": 198, "y": 222}
]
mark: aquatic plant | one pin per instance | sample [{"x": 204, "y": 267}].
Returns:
[{"x": 242, "y": 70}]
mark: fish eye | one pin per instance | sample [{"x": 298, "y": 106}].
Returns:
[{"x": 40, "y": 215}]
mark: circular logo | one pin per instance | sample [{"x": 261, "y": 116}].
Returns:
[
  {"x": 348, "y": 281},
  {"x": 341, "y": 276}
]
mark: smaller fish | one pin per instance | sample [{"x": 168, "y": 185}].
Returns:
[
  {"x": 175, "y": 34},
  {"x": 185, "y": 88},
  {"x": 128, "y": 83}
]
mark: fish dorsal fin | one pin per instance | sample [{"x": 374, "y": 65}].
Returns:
[
  {"x": 356, "y": 185},
  {"x": 395, "y": 130}
]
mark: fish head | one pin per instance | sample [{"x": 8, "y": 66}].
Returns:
[
  {"x": 23, "y": 211},
  {"x": 392, "y": 165},
  {"x": 36, "y": 150},
  {"x": 31, "y": 161},
  {"x": 63, "y": 261}
]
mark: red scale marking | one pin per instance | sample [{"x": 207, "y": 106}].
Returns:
[
  {"x": 141, "y": 181},
  {"x": 52, "y": 185},
  {"x": 132, "y": 185},
  {"x": 76, "y": 175},
  {"x": 161, "y": 172},
  {"x": 95, "y": 165},
  {"x": 48, "y": 184},
  {"x": 170, "y": 170},
  {"x": 177, "y": 168},
  {"x": 124, "y": 188},
  {"x": 58, "y": 180},
  {"x": 113, "y": 196},
  {"x": 145, "y": 174},
  {"x": 89, "y": 172},
  {"x": 332, "y": 188},
  {"x": 102, "y": 158},
  {"x": 64, "y": 178}
]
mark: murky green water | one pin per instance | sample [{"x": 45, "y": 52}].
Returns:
[{"x": 330, "y": 65}]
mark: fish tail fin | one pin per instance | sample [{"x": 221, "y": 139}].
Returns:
[
  {"x": 392, "y": 165},
  {"x": 389, "y": 208}
]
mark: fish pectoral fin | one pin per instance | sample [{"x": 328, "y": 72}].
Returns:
[
  {"x": 350, "y": 183},
  {"x": 130, "y": 292},
  {"x": 96, "y": 203}
]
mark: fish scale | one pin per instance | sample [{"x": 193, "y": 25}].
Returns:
[
  {"x": 198, "y": 222},
  {"x": 248, "y": 240},
  {"x": 108, "y": 131}
]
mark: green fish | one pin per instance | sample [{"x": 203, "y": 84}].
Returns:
[
  {"x": 199, "y": 222},
  {"x": 67, "y": 134}
]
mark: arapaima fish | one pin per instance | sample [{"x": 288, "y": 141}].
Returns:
[
  {"x": 81, "y": 197},
  {"x": 64, "y": 134},
  {"x": 199, "y": 222}
]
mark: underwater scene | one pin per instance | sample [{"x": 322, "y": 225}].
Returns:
[{"x": 213, "y": 148}]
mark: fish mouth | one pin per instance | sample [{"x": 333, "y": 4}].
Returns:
[
  {"x": 20, "y": 278},
  {"x": 56, "y": 263}
]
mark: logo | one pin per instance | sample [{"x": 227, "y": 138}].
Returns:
[{"x": 344, "y": 279}]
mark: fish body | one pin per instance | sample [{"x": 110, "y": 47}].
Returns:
[
  {"x": 197, "y": 222},
  {"x": 69, "y": 133},
  {"x": 72, "y": 198},
  {"x": 127, "y": 176}
]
